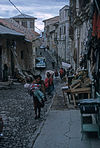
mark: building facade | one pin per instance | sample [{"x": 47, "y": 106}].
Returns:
[
  {"x": 19, "y": 50},
  {"x": 50, "y": 35},
  {"x": 63, "y": 34},
  {"x": 25, "y": 21},
  {"x": 10, "y": 52},
  {"x": 85, "y": 38}
]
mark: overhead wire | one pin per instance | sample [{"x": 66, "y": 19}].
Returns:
[
  {"x": 21, "y": 13},
  {"x": 15, "y": 6}
]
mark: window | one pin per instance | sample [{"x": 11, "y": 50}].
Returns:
[
  {"x": 13, "y": 44},
  {"x": 22, "y": 54},
  {"x": 60, "y": 32},
  {"x": 64, "y": 29},
  {"x": 17, "y": 22},
  {"x": 24, "y": 23},
  {"x": 31, "y": 24}
]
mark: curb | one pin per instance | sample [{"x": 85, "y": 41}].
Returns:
[{"x": 38, "y": 131}]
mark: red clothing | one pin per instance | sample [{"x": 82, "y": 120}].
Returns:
[
  {"x": 48, "y": 82},
  {"x": 96, "y": 25},
  {"x": 61, "y": 71},
  {"x": 34, "y": 85}
]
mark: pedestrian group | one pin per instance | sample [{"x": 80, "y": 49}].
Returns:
[{"x": 39, "y": 89}]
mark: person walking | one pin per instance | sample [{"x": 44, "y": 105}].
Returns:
[
  {"x": 49, "y": 85},
  {"x": 53, "y": 64},
  {"x": 56, "y": 73},
  {"x": 37, "y": 90},
  {"x": 61, "y": 71}
]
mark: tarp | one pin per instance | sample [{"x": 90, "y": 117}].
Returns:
[{"x": 66, "y": 65}]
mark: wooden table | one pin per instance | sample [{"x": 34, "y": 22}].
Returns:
[
  {"x": 84, "y": 90},
  {"x": 67, "y": 89}
]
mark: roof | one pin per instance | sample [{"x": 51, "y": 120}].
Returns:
[
  {"x": 21, "y": 16},
  {"x": 12, "y": 24},
  {"x": 5, "y": 30},
  {"x": 65, "y": 7},
  {"x": 51, "y": 21},
  {"x": 56, "y": 18}
]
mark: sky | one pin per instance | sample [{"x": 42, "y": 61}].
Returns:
[{"x": 41, "y": 9}]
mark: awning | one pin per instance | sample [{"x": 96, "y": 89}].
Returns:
[{"x": 66, "y": 65}]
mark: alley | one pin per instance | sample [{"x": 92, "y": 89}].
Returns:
[
  {"x": 62, "y": 128},
  {"x": 53, "y": 45}
]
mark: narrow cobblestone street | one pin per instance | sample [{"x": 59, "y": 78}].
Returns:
[
  {"x": 50, "y": 74},
  {"x": 16, "y": 109}
]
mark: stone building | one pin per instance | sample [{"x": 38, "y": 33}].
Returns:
[
  {"x": 78, "y": 23},
  {"x": 63, "y": 34},
  {"x": 25, "y": 21},
  {"x": 84, "y": 33},
  {"x": 56, "y": 35},
  {"x": 50, "y": 35},
  {"x": 17, "y": 51},
  {"x": 9, "y": 41},
  {"x": 36, "y": 42}
]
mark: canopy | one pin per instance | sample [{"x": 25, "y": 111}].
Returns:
[{"x": 66, "y": 65}]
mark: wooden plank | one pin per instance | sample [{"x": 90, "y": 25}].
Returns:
[{"x": 81, "y": 90}]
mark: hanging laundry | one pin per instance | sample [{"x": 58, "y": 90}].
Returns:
[
  {"x": 94, "y": 24},
  {"x": 98, "y": 26}
]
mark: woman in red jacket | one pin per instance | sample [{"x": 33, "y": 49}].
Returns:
[
  {"x": 49, "y": 86},
  {"x": 61, "y": 71}
]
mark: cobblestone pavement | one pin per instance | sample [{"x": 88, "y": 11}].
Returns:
[
  {"x": 58, "y": 101},
  {"x": 16, "y": 109}
]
